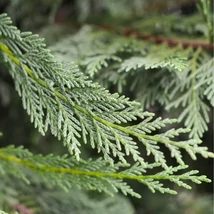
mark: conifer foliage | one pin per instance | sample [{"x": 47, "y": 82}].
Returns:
[
  {"x": 141, "y": 64},
  {"x": 60, "y": 97}
]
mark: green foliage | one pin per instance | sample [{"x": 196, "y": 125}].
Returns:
[
  {"x": 85, "y": 110},
  {"x": 92, "y": 175},
  {"x": 152, "y": 71},
  {"x": 59, "y": 97},
  {"x": 45, "y": 199},
  {"x": 206, "y": 10},
  {"x": 195, "y": 110}
]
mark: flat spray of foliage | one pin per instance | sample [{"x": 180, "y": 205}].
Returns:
[
  {"x": 176, "y": 78},
  {"x": 59, "y": 98}
]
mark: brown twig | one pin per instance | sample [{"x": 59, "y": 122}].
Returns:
[{"x": 159, "y": 39}]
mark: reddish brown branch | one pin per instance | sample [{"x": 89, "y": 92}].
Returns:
[{"x": 158, "y": 39}]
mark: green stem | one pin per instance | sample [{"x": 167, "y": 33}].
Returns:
[
  {"x": 193, "y": 83},
  {"x": 29, "y": 164},
  {"x": 205, "y": 9}
]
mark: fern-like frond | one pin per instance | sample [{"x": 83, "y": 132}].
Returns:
[
  {"x": 61, "y": 98},
  {"x": 188, "y": 90},
  {"x": 92, "y": 175},
  {"x": 205, "y": 79},
  {"x": 147, "y": 67},
  {"x": 109, "y": 46},
  {"x": 159, "y": 57},
  {"x": 95, "y": 63}
]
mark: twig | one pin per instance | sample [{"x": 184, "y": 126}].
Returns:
[{"x": 158, "y": 39}]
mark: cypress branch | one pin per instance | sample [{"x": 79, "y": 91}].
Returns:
[
  {"x": 96, "y": 175},
  {"x": 127, "y": 130},
  {"x": 61, "y": 98}
]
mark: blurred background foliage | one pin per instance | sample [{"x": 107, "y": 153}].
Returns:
[{"x": 54, "y": 20}]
